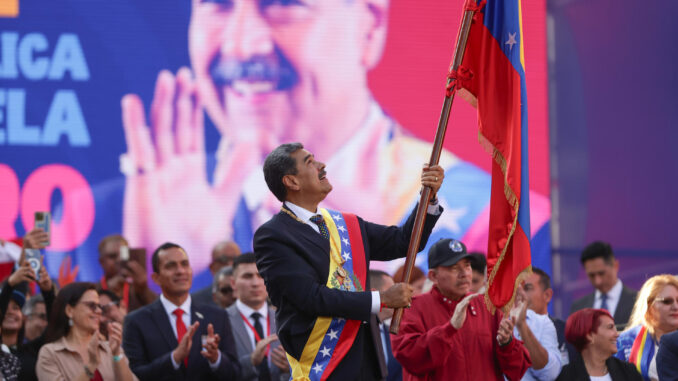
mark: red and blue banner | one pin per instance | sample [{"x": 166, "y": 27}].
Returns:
[{"x": 494, "y": 67}]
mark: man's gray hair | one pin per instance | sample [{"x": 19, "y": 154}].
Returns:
[{"x": 224, "y": 271}]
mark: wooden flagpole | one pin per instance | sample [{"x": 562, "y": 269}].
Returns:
[{"x": 415, "y": 239}]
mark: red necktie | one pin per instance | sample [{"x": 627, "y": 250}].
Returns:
[{"x": 181, "y": 328}]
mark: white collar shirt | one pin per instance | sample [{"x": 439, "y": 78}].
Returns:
[
  {"x": 304, "y": 215},
  {"x": 247, "y": 312},
  {"x": 613, "y": 297}
]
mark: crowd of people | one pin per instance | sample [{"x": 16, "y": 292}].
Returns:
[
  {"x": 278, "y": 313},
  {"x": 228, "y": 330}
]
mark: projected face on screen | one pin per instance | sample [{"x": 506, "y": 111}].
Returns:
[{"x": 285, "y": 66}]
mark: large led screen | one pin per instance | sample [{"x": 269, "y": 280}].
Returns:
[{"x": 152, "y": 118}]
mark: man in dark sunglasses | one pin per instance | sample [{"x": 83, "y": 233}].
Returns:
[{"x": 222, "y": 291}]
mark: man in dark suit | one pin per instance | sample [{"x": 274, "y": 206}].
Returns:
[
  {"x": 314, "y": 263},
  {"x": 173, "y": 338},
  {"x": 601, "y": 268},
  {"x": 667, "y": 357},
  {"x": 381, "y": 281},
  {"x": 223, "y": 255},
  {"x": 253, "y": 325}
]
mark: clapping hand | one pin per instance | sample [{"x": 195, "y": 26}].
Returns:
[
  {"x": 211, "y": 346},
  {"x": 184, "y": 346},
  {"x": 459, "y": 316}
]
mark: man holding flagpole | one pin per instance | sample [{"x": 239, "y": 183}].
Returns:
[{"x": 314, "y": 262}]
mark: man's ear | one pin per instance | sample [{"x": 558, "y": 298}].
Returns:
[
  {"x": 154, "y": 277},
  {"x": 432, "y": 275},
  {"x": 548, "y": 294},
  {"x": 290, "y": 182},
  {"x": 376, "y": 29}
]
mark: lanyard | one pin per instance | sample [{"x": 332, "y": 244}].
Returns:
[
  {"x": 254, "y": 331},
  {"x": 125, "y": 291}
]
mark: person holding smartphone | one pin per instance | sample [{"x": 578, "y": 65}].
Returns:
[
  {"x": 125, "y": 277},
  {"x": 13, "y": 296}
]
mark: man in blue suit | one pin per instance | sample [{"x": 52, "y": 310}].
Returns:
[
  {"x": 314, "y": 262},
  {"x": 173, "y": 338}
]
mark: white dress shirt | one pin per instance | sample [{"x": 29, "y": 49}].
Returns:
[
  {"x": 246, "y": 311},
  {"x": 186, "y": 318},
  {"x": 613, "y": 297},
  {"x": 545, "y": 332}
]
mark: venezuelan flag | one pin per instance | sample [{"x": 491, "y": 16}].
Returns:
[{"x": 495, "y": 57}]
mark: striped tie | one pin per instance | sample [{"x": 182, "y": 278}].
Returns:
[{"x": 318, "y": 220}]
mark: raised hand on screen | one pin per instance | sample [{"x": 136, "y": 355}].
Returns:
[{"x": 167, "y": 194}]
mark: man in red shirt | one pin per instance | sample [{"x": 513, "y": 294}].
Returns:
[{"x": 450, "y": 334}]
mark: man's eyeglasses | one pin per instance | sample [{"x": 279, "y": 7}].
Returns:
[
  {"x": 92, "y": 306},
  {"x": 666, "y": 301},
  {"x": 224, "y": 259}
]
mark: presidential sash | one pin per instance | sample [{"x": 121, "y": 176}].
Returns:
[{"x": 331, "y": 338}]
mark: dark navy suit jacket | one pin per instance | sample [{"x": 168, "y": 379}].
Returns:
[
  {"x": 148, "y": 341},
  {"x": 667, "y": 357},
  {"x": 293, "y": 259}
]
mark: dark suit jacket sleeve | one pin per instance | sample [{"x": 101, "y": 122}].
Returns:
[
  {"x": 143, "y": 367},
  {"x": 288, "y": 276},
  {"x": 667, "y": 357},
  {"x": 229, "y": 367},
  {"x": 391, "y": 242}
]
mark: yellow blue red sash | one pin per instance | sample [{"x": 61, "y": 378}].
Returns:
[
  {"x": 642, "y": 352},
  {"x": 331, "y": 338}
]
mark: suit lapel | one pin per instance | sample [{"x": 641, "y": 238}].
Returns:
[
  {"x": 196, "y": 346},
  {"x": 162, "y": 322},
  {"x": 301, "y": 229},
  {"x": 239, "y": 330}
]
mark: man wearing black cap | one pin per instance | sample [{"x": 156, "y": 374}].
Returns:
[{"x": 448, "y": 329}]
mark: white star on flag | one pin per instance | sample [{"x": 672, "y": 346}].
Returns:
[
  {"x": 340, "y": 319},
  {"x": 341, "y": 228},
  {"x": 346, "y": 256},
  {"x": 336, "y": 217},
  {"x": 511, "y": 40},
  {"x": 345, "y": 241},
  {"x": 325, "y": 351},
  {"x": 317, "y": 368},
  {"x": 333, "y": 334}
]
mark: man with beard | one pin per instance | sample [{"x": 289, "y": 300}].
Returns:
[{"x": 268, "y": 72}]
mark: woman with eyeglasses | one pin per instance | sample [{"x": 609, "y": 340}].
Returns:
[
  {"x": 76, "y": 350},
  {"x": 654, "y": 314}
]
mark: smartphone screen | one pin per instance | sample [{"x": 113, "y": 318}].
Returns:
[
  {"x": 124, "y": 253},
  {"x": 34, "y": 258},
  {"x": 44, "y": 220}
]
